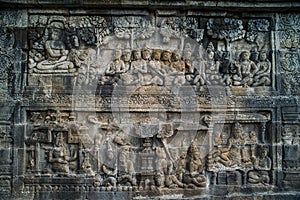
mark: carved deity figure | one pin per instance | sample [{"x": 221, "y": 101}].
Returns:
[
  {"x": 56, "y": 53},
  {"x": 262, "y": 76},
  {"x": 245, "y": 69},
  {"x": 237, "y": 138},
  {"x": 194, "y": 176},
  {"x": 59, "y": 156},
  {"x": 234, "y": 153},
  {"x": 221, "y": 154},
  {"x": 238, "y": 153}
]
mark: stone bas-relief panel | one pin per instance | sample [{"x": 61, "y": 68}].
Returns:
[
  {"x": 152, "y": 105},
  {"x": 132, "y": 50},
  {"x": 151, "y": 154}
]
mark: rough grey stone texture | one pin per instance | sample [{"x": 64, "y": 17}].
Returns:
[{"x": 149, "y": 99}]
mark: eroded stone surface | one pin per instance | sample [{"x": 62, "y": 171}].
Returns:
[{"x": 132, "y": 104}]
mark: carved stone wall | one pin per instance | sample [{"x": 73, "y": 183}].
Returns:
[{"x": 149, "y": 99}]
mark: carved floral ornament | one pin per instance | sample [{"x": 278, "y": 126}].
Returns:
[{"x": 289, "y": 28}]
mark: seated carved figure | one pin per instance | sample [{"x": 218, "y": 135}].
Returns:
[
  {"x": 83, "y": 58},
  {"x": 189, "y": 64},
  {"x": 108, "y": 169},
  {"x": 166, "y": 59},
  {"x": 171, "y": 179},
  {"x": 161, "y": 167},
  {"x": 115, "y": 68},
  {"x": 262, "y": 76},
  {"x": 158, "y": 73},
  {"x": 165, "y": 175},
  {"x": 146, "y": 55},
  {"x": 138, "y": 67},
  {"x": 263, "y": 161},
  {"x": 56, "y": 53},
  {"x": 245, "y": 69},
  {"x": 213, "y": 76},
  {"x": 59, "y": 156},
  {"x": 194, "y": 176},
  {"x": 126, "y": 169},
  {"x": 235, "y": 153},
  {"x": 86, "y": 166},
  {"x": 177, "y": 69},
  {"x": 180, "y": 166},
  {"x": 221, "y": 153},
  {"x": 126, "y": 57},
  {"x": 237, "y": 142},
  {"x": 262, "y": 164}
]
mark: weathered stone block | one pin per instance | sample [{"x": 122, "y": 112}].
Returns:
[{"x": 149, "y": 99}]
